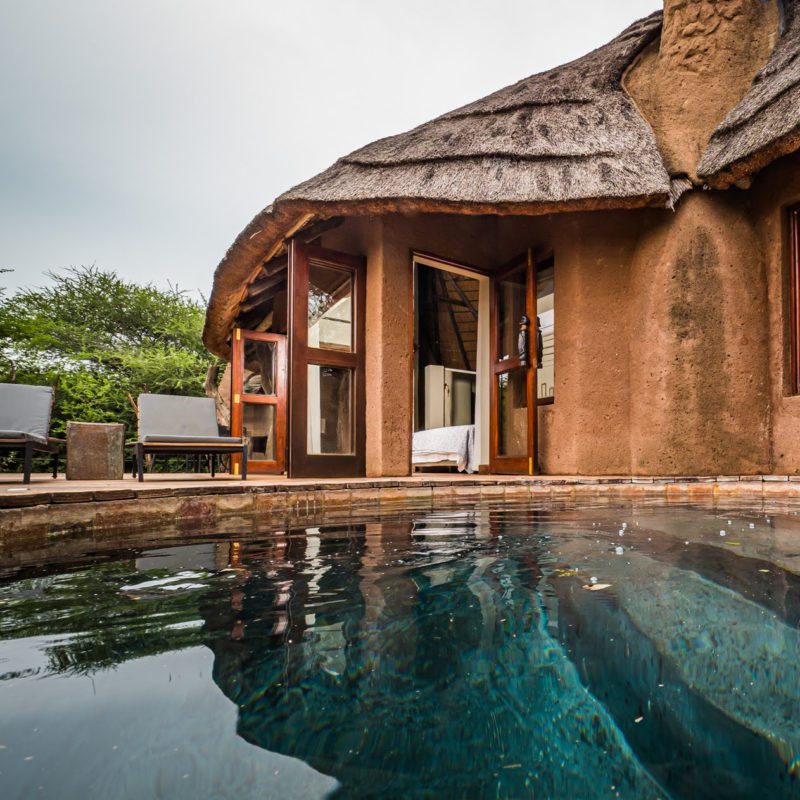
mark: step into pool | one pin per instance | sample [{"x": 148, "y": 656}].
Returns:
[{"x": 608, "y": 650}]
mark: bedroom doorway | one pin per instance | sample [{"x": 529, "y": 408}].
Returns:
[{"x": 450, "y": 380}]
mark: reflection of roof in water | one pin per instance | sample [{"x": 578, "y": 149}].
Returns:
[{"x": 402, "y": 651}]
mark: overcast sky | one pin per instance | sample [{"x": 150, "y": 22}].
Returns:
[{"x": 143, "y": 135}]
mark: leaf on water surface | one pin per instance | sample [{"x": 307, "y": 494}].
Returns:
[{"x": 596, "y": 587}]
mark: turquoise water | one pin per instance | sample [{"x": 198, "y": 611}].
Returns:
[{"x": 476, "y": 651}]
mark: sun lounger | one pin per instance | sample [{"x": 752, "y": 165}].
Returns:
[
  {"x": 174, "y": 425},
  {"x": 25, "y": 423}
]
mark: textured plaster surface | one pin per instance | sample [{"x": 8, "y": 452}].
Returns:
[
  {"x": 686, "y": 83},
  {"x": 699, "y": 352}
]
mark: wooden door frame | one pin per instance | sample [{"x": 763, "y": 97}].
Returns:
[
  {"x": 301, "y": 463},
  {"x": 516, "y": 465},
  {"x": 279, "y": 399}
]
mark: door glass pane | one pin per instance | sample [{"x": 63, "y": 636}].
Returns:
[
  {"x": 511, "y": 306},
  {"x": 330, "y": 318},
  {"x": 512, "y": 413},
  {"x": 330, "y": 410},
  {"x": 259, "y": 428},
  {"x": 545, "y": 309},
  {"x": 259, "y": 367}
]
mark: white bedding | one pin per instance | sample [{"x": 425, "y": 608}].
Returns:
[{"x": 456, "y": 443}]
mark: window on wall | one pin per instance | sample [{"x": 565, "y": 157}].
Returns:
[{"x": 794, "y": 280}]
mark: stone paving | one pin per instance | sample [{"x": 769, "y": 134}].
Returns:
[{"x": 50, "y": 506}]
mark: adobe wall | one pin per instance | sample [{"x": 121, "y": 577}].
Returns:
[
  {"x": 774, "y": 190},
  {"x": 699, "y": 341},
  {"x": 662, "y": 345},
  {"x": 663, "y": 351}
]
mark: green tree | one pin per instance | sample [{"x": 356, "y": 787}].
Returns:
[{"x": 101, "y": 340}]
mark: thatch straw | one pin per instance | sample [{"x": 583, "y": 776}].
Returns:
[{"x": 570, "y": 134}]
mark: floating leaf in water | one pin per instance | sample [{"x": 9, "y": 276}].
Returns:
[{"x": 596, "y": 587}]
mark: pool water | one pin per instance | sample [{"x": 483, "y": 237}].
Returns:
[{"x": 475, "y": 651}]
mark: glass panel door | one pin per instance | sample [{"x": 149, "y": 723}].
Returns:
[
  {"x": 258, "y": 398},
  {"x": 327, "y": 298},
  {"x": 514, "y": 381}
]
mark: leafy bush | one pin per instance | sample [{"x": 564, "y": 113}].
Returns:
[{"x": 101, "y": 340}]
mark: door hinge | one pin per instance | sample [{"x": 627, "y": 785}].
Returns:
[
  {"x": 236, "y": 468},
  {"x": 238, "y": 334},
  {"x": 237, "y": 398}
]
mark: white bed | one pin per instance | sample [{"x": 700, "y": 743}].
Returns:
[{"x": 452, "y": 446}]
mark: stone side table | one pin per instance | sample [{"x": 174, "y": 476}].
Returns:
[{"x": 95, "y": 451}]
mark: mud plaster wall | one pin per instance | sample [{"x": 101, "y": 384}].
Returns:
[
  {"x": 686, "y": 83},
  {"x": 774, "y": 191},
  {"x": 662, "y": 346},
  {"x": 699, "y": 341}
]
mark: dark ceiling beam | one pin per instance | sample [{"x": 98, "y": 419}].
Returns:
[{"x": 263, "y": 297}]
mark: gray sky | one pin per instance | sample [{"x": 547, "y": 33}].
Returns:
[{"x": 143, "y": 135}]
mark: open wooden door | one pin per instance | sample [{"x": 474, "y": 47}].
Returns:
[
  {"x": 327, "y": 306},
  {"x": 258, "y": 399},
  {"x": 512, "y": 440}
]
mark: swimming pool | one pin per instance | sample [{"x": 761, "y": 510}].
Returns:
[{"x": 480, "y": 650}]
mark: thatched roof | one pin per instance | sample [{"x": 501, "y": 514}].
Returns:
[
  {"x": 766, "y": 123},
  {"x": 564, "y": 140},
  {"x": 566, "y": 135}
]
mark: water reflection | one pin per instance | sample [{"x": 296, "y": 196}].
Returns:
[{"x": 465, "y": 652}]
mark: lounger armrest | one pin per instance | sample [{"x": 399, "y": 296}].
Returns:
[{"x": 191, "y": 441}]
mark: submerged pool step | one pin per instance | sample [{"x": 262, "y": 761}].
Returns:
[{"x": 684, "y": 655}]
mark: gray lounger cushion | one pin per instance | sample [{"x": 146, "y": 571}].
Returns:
[
  {"x": 17, "y": 435},
  {"x": 192, "y": 439},
  {"x": 176, "y": 419},
  {"x": 25, "y": 411}
]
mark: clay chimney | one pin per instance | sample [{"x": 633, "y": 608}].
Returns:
[{"x": 686, "y": 83}]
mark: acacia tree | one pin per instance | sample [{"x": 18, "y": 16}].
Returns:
[{"x": 99, "y": 340}]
